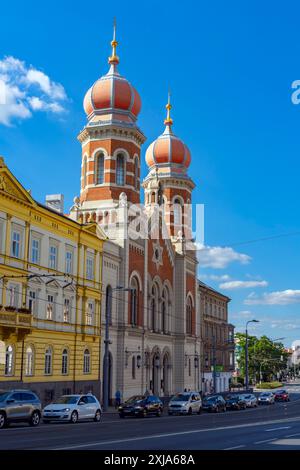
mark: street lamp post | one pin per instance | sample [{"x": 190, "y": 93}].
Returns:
[
  {"x": 246, "y": 353},
  {"x": 107, "y": 342}
]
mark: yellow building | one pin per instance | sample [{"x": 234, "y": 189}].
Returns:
[{"x": 50, "y": 296}]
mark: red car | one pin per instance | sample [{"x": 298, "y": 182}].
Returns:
[{"x": 281, "y": 395}]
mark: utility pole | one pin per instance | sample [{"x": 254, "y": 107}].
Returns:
[
  {"x": 107, "y": 342},
  {"x": 214, "y": 364}
]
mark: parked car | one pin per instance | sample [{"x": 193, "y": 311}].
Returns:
[
  {"x": 236, "y": 402},
  {"x": 281, "y": 395},
  {"x": 141, "y": 406},
  {"x": 214, "y": 404},
  {"x": 19, "y": 406},
  {"x": 73, "y": 408},
  {"x": 185, "y": 403},
  {"x": 251, "y": 400},
  {"x": 266, "y": 398}
]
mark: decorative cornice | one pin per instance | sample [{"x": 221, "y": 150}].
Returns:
[{"x": 111, "y": 131}]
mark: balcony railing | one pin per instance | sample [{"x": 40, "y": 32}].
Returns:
[{"x": 15, "y": 319}]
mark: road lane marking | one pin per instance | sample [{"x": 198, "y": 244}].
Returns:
[
  {"x": 277, "y": 429},
  {"x": 292, "y": 435},
  {"x": 235, "y": 447},
  {"x": 266, "y": 440},
  {"x": 157, "y": 436}
]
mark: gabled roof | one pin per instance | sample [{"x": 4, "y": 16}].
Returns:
[{"x": 205, "y": 286}]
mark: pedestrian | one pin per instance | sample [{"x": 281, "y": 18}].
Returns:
[{"x": 117, "y": 398}]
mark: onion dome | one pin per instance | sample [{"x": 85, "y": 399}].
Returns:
[
  {"x": 167, "y": 149},
  {"x": 112, "y": 93}
]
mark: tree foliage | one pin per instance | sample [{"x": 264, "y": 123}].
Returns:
[{"x": 265, "y": 357}]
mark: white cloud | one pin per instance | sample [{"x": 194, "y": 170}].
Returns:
[
  {"x": 24, "y": 90},
  {"x": 244, "y": 314},
  {"x": 218, "y": 257},
  {"x": 242, "y": 284},
  {"x": 215, "y": 277},
  {"x": 284, "y": 297}
]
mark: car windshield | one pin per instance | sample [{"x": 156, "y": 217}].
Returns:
[
  {"x": 247, "y": 397},
  {"x": 3, "y": 395},
  {"x": 71, "y": 400},
  {"x": 210, "y": 399},
  {"x": 181, "y": 397},
  {"x": 136, "y": 398},
  {"x": 281, "y": 391},
  {"x": 265, "y": 394}
]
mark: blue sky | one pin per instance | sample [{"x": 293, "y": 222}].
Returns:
[{"x": 230, "y": 66}]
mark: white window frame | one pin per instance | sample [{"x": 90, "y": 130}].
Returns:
[
  {"x": 90, "y": 267},
  {"x": 90, "y": 312},
  {"x": 69, "y": 261},
  {"x": 17, "y": 232},
  {"x": 51, "y": 264},
  {"x": 65, "y": 362},
  {"x": 50, "y": 307},
  {"x": 29, "y": 361},
  {"x": 86, "y": 361},
  {"x": 67, "y": 310},
  {"x": 48, "y": 361},
  {"x": 14, "y": 295},
  {"x": 36, "y": 250},
  {"x": 32, "y": 300}
]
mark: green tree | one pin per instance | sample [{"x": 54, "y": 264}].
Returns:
[{"x": 265, "y": 357}]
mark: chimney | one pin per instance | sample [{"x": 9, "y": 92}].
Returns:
[{"x": 55, "y": 202}]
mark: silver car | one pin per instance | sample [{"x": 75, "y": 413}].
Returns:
[
  {"x": 185, "y": 403},
  {"x": 73, "y": 408},
  {"x": 19, "y": 406},
  {"x": 250, "y": 399},
  {"x": 266, "y": 398}
]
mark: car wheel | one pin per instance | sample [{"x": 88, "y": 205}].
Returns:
[
  {"x": 199, "y": 411},
  {"x": 35, "y": 418},
  {"x": 217, "y": 409},
  {"x": 3, "y": 421},
  {"x": 97, "y": 417},
  {"x": 158, "y": 413},
  {"x": 74, "y": 417},
  {"x": 121, "y": 415},
  {"x": 190, "y": 411}
]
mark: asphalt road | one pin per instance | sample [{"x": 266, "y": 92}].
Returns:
[{"x": 266, "y": 427}]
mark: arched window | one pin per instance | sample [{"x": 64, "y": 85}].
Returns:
[
  {"x": 99, "y": 168},
  {"x": 154, "y": 303},
  {"x": 188, "y": 319},
  {"x": 134, "y": 302},
  {"x": 84, "y": 169},
  {"x": 108, "y": 305},
  {"x": 165, "y": 311},
  {"x": 29, "y": 361},
  {"x": 120, "y": 170},
  {"x": 9, "y": 360},
  {"x": 177, "y": 210},
  {"x": 136, "y": 173},
  {"x": 64, "y": 362},
  {"x": 48, "y": 361},
  {"x": 86, "y": 361},
  {"x": 133, "y": 367}
]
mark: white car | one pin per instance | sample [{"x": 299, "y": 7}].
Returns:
[
  {"x": 73, "y": 408},
  {"x": 266, "y": 398},
  {"x": 185, "y": 403},
  {"x": 251, "y": 400}
]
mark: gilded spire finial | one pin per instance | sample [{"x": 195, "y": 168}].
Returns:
[
  {"x": 168, "y": 121},
  {"x": 114, "y": 59}
]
